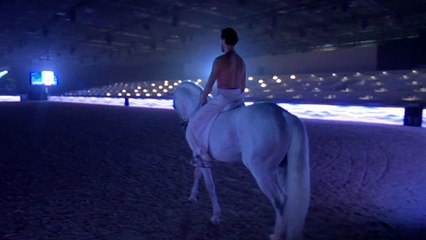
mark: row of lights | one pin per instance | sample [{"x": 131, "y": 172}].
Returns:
[
  {"x": 344, "y": 79},
  {"x": 157, "y": 89},
  {"x": 263, "y": 84}
]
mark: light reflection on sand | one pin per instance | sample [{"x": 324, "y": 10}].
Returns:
[
  {"x": 383, "y": 115},
  {"x": 8, "y": 98},
  {"x": 88, "y": 100}
]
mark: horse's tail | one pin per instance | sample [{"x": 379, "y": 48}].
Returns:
[{"x": 297, "y": 179}]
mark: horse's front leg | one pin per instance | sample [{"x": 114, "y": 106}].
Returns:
[
  {"x": 208, "y": 179},
  {"x": 194, "y": 190}
]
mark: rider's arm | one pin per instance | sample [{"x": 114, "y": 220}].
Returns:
[{"x": 212, "y": 79}]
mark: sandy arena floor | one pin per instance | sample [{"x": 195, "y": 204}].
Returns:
[{"x": 70, "y": 171}]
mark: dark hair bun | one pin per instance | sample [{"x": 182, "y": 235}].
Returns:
[{"x": 230, "y": 36}]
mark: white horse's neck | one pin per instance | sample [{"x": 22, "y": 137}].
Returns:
[{"x": 186, "y": 99}]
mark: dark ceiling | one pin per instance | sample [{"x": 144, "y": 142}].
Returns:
[{"x": 134, "y": 31}]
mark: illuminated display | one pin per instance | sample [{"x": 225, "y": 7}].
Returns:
[{"x": 43, "y": 78}]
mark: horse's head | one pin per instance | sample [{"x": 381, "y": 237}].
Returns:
[{"x": 186, "y": 99}]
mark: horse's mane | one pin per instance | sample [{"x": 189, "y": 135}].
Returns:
[
  {"x": 190, "y": 85},
  {"x": 188, "y": 89},
  {"x": 188, "y": 94}
]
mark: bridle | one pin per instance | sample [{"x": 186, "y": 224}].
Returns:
[{"x": 184, "y": 122}]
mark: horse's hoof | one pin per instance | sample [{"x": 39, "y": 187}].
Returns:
[
  {"x": 215, "y": 220},
  {"x": 192, "y": 199}
]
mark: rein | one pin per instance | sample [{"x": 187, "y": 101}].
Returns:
[{"x": 184, "y": 124}]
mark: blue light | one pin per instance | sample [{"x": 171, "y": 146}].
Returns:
[{"x": 4, "y": 72}]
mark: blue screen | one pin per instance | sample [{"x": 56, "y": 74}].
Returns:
[
  {"x": 36, "y": 78},
  {"x": 46, "y": 78}
]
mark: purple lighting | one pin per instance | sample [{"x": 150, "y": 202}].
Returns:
[{"x": 382, "y": 115}]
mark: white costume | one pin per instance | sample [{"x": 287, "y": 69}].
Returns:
[{"x": 198, "y": 131}]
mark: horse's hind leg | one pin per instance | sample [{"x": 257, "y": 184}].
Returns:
[
  {"x": 211, "y": 189},
  {"x": 267, "y": 181},
  {"x": 194, "y": 190}
]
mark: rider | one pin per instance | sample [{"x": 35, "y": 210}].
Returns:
[{"x": 229, "y": 71}]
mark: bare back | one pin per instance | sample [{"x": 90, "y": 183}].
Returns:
[{"x": 231, "y": 71}]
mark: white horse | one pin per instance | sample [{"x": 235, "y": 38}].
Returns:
[{"x": 271, "y": 143}]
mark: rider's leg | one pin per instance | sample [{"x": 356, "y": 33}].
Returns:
[{"x": 198, "y": 130}]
